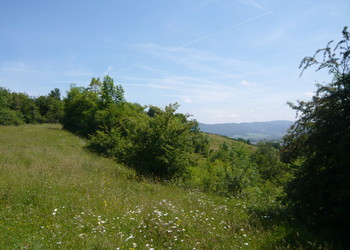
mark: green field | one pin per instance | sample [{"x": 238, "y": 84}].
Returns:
[
  {"x": 216, "y": 140},
  {"x": 56, "y": 195}
]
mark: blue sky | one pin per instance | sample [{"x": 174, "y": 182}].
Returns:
[{"x": 221, "y": 60}]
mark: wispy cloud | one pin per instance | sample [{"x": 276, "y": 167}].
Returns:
[
  {"x": 254, "y": 4},
  {"x": 198, "y": 60},
  {"x": 108, "y": 70},
  {"x": 177, "y": 48},
  {"x": 15, "y": 67}
]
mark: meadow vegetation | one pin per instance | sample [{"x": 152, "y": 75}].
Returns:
[{"x": 55, "y": 194}]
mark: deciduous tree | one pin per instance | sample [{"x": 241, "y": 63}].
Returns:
[{"x": 318, "y": 145}]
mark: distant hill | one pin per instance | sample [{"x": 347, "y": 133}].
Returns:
[{"x": 254, "y": 131}]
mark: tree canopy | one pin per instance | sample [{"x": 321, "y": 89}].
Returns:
[{"x": 318, "y": 145}]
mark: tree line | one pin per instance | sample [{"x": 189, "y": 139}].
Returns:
[{"x": 19, "y": 108}]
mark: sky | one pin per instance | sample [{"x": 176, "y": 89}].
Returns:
[{"x": 223, "y": 61}]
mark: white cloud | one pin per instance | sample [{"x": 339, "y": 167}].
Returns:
[{"x": 247, "y": 83}]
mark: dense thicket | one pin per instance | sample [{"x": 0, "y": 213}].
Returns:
[
  {"x": 163, "y": 143},
  {"x": 19, "y": 108},
  {"x": 158, "y": 142},
  {"x": 318, "y": 147}
]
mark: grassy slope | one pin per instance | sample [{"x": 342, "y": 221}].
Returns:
[
  {"x": 53, "y": 194},
  {"x": 216, "y": 140}
]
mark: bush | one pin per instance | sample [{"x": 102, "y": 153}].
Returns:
[{"x": 10, "y": 117}]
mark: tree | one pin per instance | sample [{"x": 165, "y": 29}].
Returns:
[
  {"x": 162, "y": 144},
  {"x": 318, "y": 146},
  {"x": 95, "y": 107},
  {"x": 8, "y": 116},
  {"x": 56, "y": 93},
  {"x": 51, "y": 106},
  {"x": 110, "y": 93},
  {"x": 268, "y": 161},
  {"x": 79, "y": 111},
  {"x": 26, "y": 107}
]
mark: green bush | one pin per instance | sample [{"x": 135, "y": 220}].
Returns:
[{"x": 10, "y": 117}]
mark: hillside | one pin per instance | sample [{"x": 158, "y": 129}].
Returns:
[
  {"x": 255, "y": 131},
  {"x": 216, "y": 140},
  {"x": 54, "y": 194}
]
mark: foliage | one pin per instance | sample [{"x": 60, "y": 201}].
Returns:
[
  {"x": 159, "y": 145},
  {"x": 158, "y": 142},
  {"x": 80, "y": 107},
  {"x": 25, "y": 105},
  {"x": 227, "y": 170},
  {"x": 5, "y": 98},
  {"x": 9, "y": 117},
  {"x": 270, "y": 167},
  {"x": 88, "y": 109},
  {"x": 318, "y": 146},
  {"x": 18, "y": 108},
  {"x": 163, "y": 144},
  {"x": 50, "y": 107}
]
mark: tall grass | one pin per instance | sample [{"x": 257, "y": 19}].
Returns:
[{"x": 55, "y": 195}]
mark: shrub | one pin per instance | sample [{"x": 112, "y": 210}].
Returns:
[{"x": 9, "y": 117}]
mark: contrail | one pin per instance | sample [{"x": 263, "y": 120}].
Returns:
[{"x": 196, "y": 40}]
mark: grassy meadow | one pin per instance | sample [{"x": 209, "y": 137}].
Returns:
[
  {"x": 216, "y": 140},
  {"x": 56, "y": 195}
]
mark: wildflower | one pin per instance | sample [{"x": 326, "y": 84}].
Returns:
[
  {"x": 246, "y": 243},
  {"x": 134, "y": 245},
  {"x": 54, "y": 211},
  {"x": 130, "y": 237}
]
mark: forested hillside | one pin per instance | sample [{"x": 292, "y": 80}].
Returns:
[{"x": 253, "y": 131}]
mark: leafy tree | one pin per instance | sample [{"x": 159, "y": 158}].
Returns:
[
  {"x": 56, "y": 94},
  {"x": 318, "y": 146},
  {"x": 5, "y": 98},
  {"x": 110, "y": 93},
  {"x": 163, "y": 144},
  {"x": 96, "y": 107},
  {"x": 267, "y": 159},
  {"x": 25, "y": 106},
  {"x": 51, "y": 107},
  {"x": 79, "y": 111}
]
